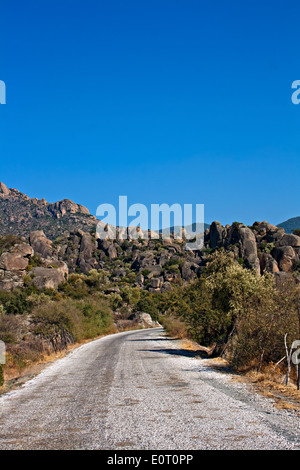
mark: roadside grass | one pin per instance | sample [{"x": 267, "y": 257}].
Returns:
[{"x": 174, "y": 327}]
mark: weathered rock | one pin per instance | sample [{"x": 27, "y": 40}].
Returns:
[
  {"x": 112, "y": 252},
  {"x": 50, "y": 277},
  {"x": 268, "y": 263},
  {"x": 290, "y": 240},
  {"x": 156, "y": 283},
  {"x": 217, "y": 234},
  {"x": 143, "y": 319},
  {"x": 86, "y": 259},
  {"x": 13, "y": 262},
  {"x": 140, "y": 279},
  {"x": 41, "y": 244},
  {"x": 4, "y": 191},
  {"x": 285, "y": 257},
  {"x": 120, "y": 272},
  {"x": 188, "y": 271}
]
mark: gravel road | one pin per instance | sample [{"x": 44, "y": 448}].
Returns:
[{"x": 139, "y": 390}]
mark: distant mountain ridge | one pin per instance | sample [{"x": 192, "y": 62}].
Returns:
[
  {"x": 20, "y": 214},
  {"x": 290, "y": 224}
]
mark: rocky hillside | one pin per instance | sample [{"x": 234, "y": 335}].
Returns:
[
  {"x": 47, "y": 242},
  {"x": 21, "y": 215},
  {"x": 154, "y": 265}
]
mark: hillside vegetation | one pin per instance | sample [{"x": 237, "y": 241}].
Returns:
[{"x": 291, "y": 224}]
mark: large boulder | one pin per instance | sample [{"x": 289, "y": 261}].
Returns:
[
  {"x": 217, "y": 234},
  {"x": 290, "y": 240},
  {"x": 143, "y": 319},
  {"x": 268, "y": 263},
  {"x": 51, "y": 275},
  {"x": 41, "y": 244},
  {"x": 13, "y": 264},
  {"x": 243, "y": 238},
  {"x": 188, "y": 271},
  {"x": 285, "y": 257},
  {"x": 86, "y": 259},
  {"x": 4, "y": 191}
]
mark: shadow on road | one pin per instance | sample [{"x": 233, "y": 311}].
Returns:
[
  {"x": 146, "y": 340},
  {"x": 178, "y": 352}
]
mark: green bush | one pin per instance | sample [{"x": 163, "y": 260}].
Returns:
[
  {"x": 69, "y": 320},
  {"x": 15, "y": 302},
  {"x": 148, "y": 303},
  {"x": 237, "y": 311}
]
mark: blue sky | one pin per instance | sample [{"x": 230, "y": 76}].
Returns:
[{"x": 165, "y": 101}]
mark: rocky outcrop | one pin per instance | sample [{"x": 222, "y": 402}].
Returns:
[
  {"x": 86, "y": 259},
  {"x": 143, "y": 319},
  {"x": 13, "y": 264},
  {"x": 51, "y": 275},
  {"x": 4, "y": 191},
  {"x": 262, "y": 247},
  {"x": 40, "y": 243},
  {"x": 63, "y": 238},
  {"x": 217, "y": 234},
  {"x": 21, "y": 215}
]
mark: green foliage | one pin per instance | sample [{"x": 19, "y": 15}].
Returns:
[
  {"x": 35, "y": 261},
  {"x": 115, "y": 300},
  {"x": 15, "y": 302},
  {"x": 297, "y": 266},
  {"x": 148, "y": 303},
  {"x": 69, "y": 320},
  {"x": 130, "y": 295},
  {"x": 12, "y": 328},
  {"x": 97, "y": 318},
  {"x": 267, "y": 247},
  {"x": 145, "y": 272},
  {"x": 232, "y": 308}
]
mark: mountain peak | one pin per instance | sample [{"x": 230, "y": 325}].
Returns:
[
  {"x": 20, "y": 214},
  {"x": 4, "y": 190}
]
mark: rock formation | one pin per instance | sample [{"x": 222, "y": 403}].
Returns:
[{"x": 46, "y": 257}]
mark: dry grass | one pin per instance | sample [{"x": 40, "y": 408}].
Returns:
[
  {"x": 174, "y": 327},
  {"x": 13, "y": 373},
  {"x": 270, "y": 383}
]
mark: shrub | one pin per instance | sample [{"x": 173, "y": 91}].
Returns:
[
  {"x": 66, "y": 321},
  {"x": 8, "y": 241},
  {"x": 148, "y": 303},
  {"x": 56, "y": 322},
  {"x": 130, "y": 295},
  {"x": 12, "y": 328},
  {"x": 237, "y": 311},
  {"x": 174, "y": 326},
  {"x": 15, "y": 302},
  {"x": 97, "y": 318}
]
